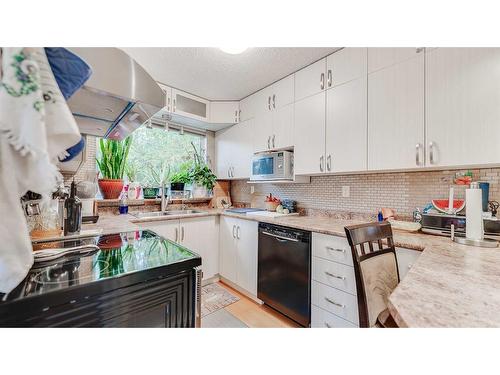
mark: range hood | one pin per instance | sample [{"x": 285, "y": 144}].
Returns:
[{"x": 118, "y": 97}]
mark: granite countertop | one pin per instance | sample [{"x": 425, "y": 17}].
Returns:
[{"x": 450, "y": 285}]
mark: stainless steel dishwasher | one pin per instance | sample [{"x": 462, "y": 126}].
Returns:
[{"x": 284, "y": 271}]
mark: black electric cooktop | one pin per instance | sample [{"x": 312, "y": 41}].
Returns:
[{"x": 137, "y": 253}]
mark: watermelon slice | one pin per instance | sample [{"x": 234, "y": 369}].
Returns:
[{"x": 443, "y": 204}]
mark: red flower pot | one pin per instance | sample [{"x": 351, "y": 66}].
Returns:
[{"x": 110, "y": 189}]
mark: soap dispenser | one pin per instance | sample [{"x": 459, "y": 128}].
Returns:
[{"x": 72, "y": 213}]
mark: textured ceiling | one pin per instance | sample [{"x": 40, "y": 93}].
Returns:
[{"x": 216, "y": 75}]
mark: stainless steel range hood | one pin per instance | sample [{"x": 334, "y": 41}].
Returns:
[{"x": 119, "y": 96}]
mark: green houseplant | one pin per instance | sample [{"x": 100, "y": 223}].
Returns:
[
  {"x": 181, "y": 177},
  {"x": 111, "y": 164},
  {"x": 201, "y": 176},
  {"x": 156, "y": 178}
]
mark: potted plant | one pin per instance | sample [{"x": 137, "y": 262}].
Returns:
[
  {"x": 156, "y": 178},
  {"x": 182, "y": 177},
  {"x": 134, "y": 187},
  {"x": 111, "y": 164},
  {"x": 201, "y": 176}
]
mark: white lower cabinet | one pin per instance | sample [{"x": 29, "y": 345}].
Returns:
[
  {"x": 238, "y": 252},
  {"x": 199, "y": 234},
  {"x": 323, "y": 319}
]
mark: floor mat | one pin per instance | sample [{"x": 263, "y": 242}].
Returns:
[
  {"x": 214, "y": 297},
  {"x": 221, "y": 319}
]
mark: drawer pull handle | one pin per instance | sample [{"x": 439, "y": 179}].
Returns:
[
  {"x": 336, "y": 276},
  {"x": 334, "y": 303},
  {"x": 335, "y": 249},
  {"x": 327, "y": 325}
]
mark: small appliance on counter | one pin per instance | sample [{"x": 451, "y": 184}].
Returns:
[{"x": 441, "y": 224}]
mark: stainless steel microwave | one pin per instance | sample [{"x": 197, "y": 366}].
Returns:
[{"x": 277, "y": 165}]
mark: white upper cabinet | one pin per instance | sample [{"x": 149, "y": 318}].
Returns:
[
  {"x": 345, "y": 65},
  {"x": 346, "y": 127},
  {"x": 310, "y": 80},
  {"x": 380, "y": 58},
  {"x": 190, "y": 106},
  {"x": 462, "y": 106},
  {"x": 247, "y": 108},
  {"x": 225, "y": 112},
  {"x": 309, "y": 135},
  {"x": 396, "y": 114},
  {"x": 274, "y": 119},
  {"x": 234, "y": 150}
]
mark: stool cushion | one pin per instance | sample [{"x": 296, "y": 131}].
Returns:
[{"x": 380, "y": 277}]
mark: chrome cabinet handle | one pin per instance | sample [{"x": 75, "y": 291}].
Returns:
[
  {"x": 333, "y": 275},
  {"x": 419, "y": 49},
  {"x": 236, "y": 116},
  {"x": 176, "y": 234},
  {"x": 239, "y": 115},
  {"x": 269, "y": 142},
  {"x": 431, "y": 152},
  {"x": 229, "y": 172},
  {"x": 274, "y": 137},
  {"x": 417, "y": 154},
  {"x": 182, "y": 234},
  {"x": 329, "y": 163},
  {"x": 174, "y": 106},
  {"x": 269, "y": 102},
  {"x": 274, "y": 100},
  {"x": 327, "y": 325},
  {"x": 334, "y": 303},
  {"x": 321, "y": 163},
  {"x": 322, "y": 81},
  {"x": 335, "y": 249},
  {"x": 329, "y": 79},
  {"x": 234, "y": 229},
  {"x": 238, "y": 232},
  {"x": 168, "y": 104}
]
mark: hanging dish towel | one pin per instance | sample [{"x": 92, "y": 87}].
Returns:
[{"x": 36, "y": 125}]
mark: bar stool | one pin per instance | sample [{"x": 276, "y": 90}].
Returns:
[{"x": 376, "y": 271}]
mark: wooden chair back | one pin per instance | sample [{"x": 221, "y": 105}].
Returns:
[{"x": 368, "y": 241}]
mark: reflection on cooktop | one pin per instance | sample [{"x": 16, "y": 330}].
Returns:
[{"x": 119, "y": 254}]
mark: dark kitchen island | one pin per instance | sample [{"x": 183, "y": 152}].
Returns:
[{"x": 130, "y": 279}]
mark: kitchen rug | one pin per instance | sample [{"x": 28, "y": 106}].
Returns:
[
  {"x": 215, "y": 297},
  {"x": 221, "y": 319}
]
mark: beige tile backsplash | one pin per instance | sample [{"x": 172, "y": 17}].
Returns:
[{"x": 368, "y": 192}]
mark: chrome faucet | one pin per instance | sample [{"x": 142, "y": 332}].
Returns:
[{"x": 164, "y": 201}]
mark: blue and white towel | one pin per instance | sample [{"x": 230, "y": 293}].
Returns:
[{"x": 36, "y": 125}]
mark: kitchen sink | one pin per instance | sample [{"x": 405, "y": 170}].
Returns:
[{"x": 142, "y": 215}]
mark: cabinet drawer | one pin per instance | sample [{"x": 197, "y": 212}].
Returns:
[
  {"x": 335, "y": 301},
  {"x": 331, "y": 248},
  {"x": 323, "y": 319},
  {"x": 334, "y": 274}
]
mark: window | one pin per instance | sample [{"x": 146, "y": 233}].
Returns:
[{"x": 151, "y": 147}]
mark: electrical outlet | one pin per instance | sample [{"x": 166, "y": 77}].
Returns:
[{"x": 346, "y": 191}]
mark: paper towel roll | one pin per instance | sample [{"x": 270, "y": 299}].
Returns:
[{"x": 474, "y": 214}]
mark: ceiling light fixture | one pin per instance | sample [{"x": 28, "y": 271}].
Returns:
[{"x": 233, "y": 50}]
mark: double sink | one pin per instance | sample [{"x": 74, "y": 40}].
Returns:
[{"x": 142, "y": 215}]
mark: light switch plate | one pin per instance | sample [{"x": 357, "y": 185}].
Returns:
[
  {"x": 346, "y": 191},
  {"x": 252, "y": 189}
]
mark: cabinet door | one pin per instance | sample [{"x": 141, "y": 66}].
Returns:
[
  {"x": 396, "y": 116},
  {"x": 406, "y": 258},
  {"x": 283, "y": 119},
  {"x": 224, "y": 112},
  {"x": 168, "y": 229},
  {"x": 462, "y": 106},
  {"x": 247, "y": 239},
  {"x": 247, "y": 108},
  {"x": 263, "y": 131},
  {"x": 283, "y": 92},
  {"x": 224, "y": 146},
  {"x": 228, "y": 248},
  {"x": 241, "y": 158},
  {"x": 309, "y": 135},
  {"x": 346, "y": 65},
  {"x": 310, "y": 80},
  {"x": 189, "y": 105},
  {"x": 346, "y": 127},
  {"x": 380, "y": 58},
  {"x": 201, "y": 235}
]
